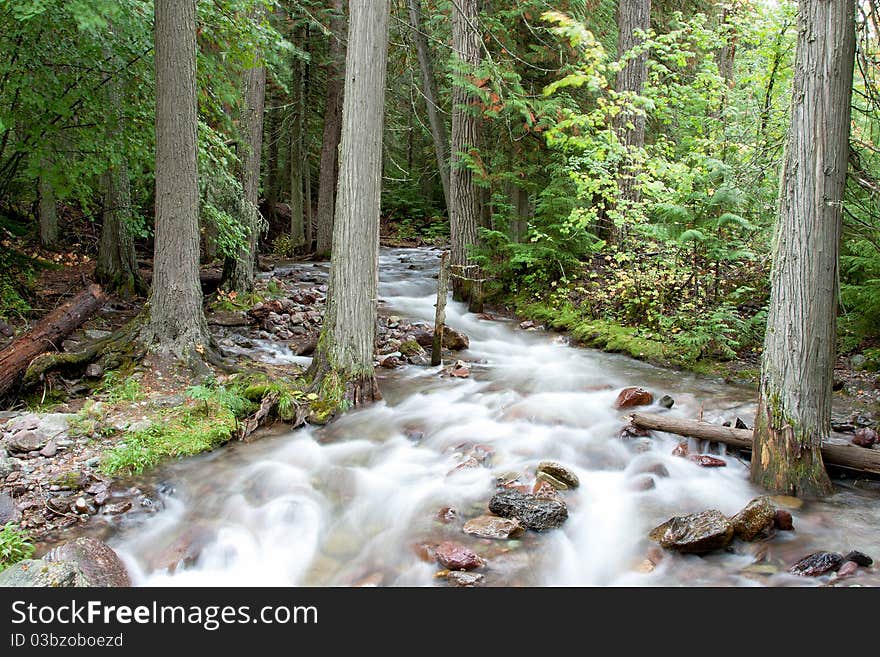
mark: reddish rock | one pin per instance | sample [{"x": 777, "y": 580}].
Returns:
[
  {"x": 707, "y": 461},
  {"x": 783, "y": 521},
  {"x": 681, "y": 449},
  {"x": 816, "y": 564},
  {"x": 447, "y": 514},
  {"x": 425, "y": 551},
  {"x": 632, "y": 431},
  {"x": 546, "y": 491},
  {"x": 865, "y": 438},
  {"x": 633, "y": 397},
  {"x": 848, "y": 568},
  {"x": 456, "y": 556}
]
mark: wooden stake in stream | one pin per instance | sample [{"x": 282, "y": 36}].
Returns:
[{"x": 440, "y": 318}]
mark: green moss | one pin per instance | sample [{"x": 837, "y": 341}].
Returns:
[
  {"x": 15, "y": 545},
  {"x": 410, "y": 348}
]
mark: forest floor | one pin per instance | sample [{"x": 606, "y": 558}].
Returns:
[{"x": 73, "y": 444}]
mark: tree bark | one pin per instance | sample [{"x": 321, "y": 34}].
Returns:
[
  {"x": 845, "y": 456},
  {"x": 175, "y": 325},
  {"x": 297, "y": 227},
  {"x": 440, "y": 314},
  {"x": 632, "y": 16},
  {"x": 429, "y": 87},
  {"x": 48, "y": 214},
  {"x": 239, "y": 272},
  {"x": 273, "y": 119},
  {"x": 343, "y": 360},
  {"x": 47, "y": 334},
  {"x": 329, "y": 167},
  {"x": 464, "y": 195},
  {"x": 794, "y": 405}
]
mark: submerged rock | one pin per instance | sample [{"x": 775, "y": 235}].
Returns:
[
  {"x": 756, "y": 517},
  {"x": 487, "y": 526},
  {"x": 707, "y": 461},
  {"x": 456, "y": 556},
  {"x": 629, "y": 397},
  {"x": 532, "y": 511},
  {"x": 697, "y": 533},
  {"x": 816, "y": 564},
  {"x": 666, "y": 401},
  {"x": 459, "y": 578},
  {"x": 560, "y": 473},
  {"x": 97, "y": 561}
]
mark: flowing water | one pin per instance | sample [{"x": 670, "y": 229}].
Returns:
[{"x": 351, "y": 502}]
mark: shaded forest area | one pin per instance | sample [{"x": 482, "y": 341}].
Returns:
[{"x": 660, "y": 179}]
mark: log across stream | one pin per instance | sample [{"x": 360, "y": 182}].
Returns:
[{"x": 355, "y": 502}]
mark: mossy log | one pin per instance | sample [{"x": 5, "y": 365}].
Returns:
[
  {"x": 47, "y": 334},
  {"x": 843, "y": 456}
]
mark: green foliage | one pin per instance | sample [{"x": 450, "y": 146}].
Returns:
[
  {"x": 15, "y": 545},
  {"x": 117, "y": 387}
]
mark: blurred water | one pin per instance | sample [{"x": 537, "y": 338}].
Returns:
[{"x": 350, "y": 502}]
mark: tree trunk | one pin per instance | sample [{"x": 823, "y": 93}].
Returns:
[
  {"x": 306, "y": 161},
  {"x": 117, "y": 263},
  {"x": 632, "y": 16},
  {"x": 239, "y": 272},
  {"x": 297, "y": 227},
  {"x": 343, "y": 361},
  {"x": 794, "y": 405},
  {"x": 464, "y": 195},
  {"x": 329, "y": 172},
  {"x": 175, "y": 325},
  {"x": 48, "y": 214},
  {"x": 47, "y": 334},
  {"x": 273, "y": 119},
  {"x": 429, "y": 87},
  {"x": 440, "y": 314}
]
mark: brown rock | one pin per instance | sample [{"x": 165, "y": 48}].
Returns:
[
  {"x": 697, "y": 533},
  {"x": 707, "y": 461},
  {"x": 782, "y": 520},
  {"x": 629, "y": 397},
  {"x": 816, "y": 564},
  {"x": 456, "y": 556},
  {"x": 756, "y": 518},
  {"x": 559, "y": 473},
  {"x": 100, "y": 565},
  {"x": 632, "y": 431},
  {"x": 681, "y": 449},
  {"x": 447, "y": 514},
  {"x": 848, "y": 568},
  {"x": 487, "y": 526}
]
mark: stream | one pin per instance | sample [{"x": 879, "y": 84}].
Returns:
[{"x": 350, "y": 503}]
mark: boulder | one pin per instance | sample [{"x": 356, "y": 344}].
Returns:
[
  {"x": 8, "y": 510},
  {"x": 533, "y": 512},
  {"x": 559, "y": 473},
  {"x": 97, "y": 561},
  {"x": 634, "y": 396},
  {"x": 452, "y": 339},
  {"x": 26, "y": 441},
  {"x": 816, "y": 564},
  {"x": 39, "y": 573},
  {"x": 456, "y": 556},
  {"x": 487, "y": 526},
  {"x": 755, "y": 518},
  {"x": 697, "y": 533}
]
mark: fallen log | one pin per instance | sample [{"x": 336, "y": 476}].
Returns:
[
  {"x": 844, "y": 456},
  {"x": 47, "y": 334}
]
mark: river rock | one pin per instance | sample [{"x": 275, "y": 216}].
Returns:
[
  {"x": 848, "y": 568},
  {"x": 560, "y": 473},
  {"x": 26, "y": 441},
  {"x": 782, "y": 520},
  {"x": 391, "y": 362},
  {"x": 8, "y": 466},
  {"x": 456, "y": 556},
  {"x": 60, "y": 505},
  {"x": 755, "y": 518},
  {"x": 641, "y": 483},
  {"x": 666, "y": 401},
  {"x": 487, "y": 526},
  {"x": 633, "y": 396},
  {"x": 532, "y": 511},
  {"x": 865, "y": 437},
  {"x": 460, "y": 578},
  {"x": 860, "y": 558},
  {"x": 552, "y": 481},
  {"x": 707, "y": 461},
  {"x": 452, "y": 339},
  {"x": 50, "y": 450},
  {"x": 39, "y": 573},
  {"x": 115, "y": 508},
  {"x": 697, "y": 533},
  {"x": 100, "y": 565},
  {"x": 682, "y": 449},
  {"x": 632, "y": 431},
  {"x": 8, "y": 511},
  {"x": 816, "y": 564}
]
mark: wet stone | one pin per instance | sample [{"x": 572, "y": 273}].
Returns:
[
  {"x": 532, "y": 511},
  {"x": 487, "y": 526},
  {"x": 456, "y": 556},
  {"x": 681, "y": 449},
  {"x": 706, "y": 461},
  {"x": 756, "y": 518},
  {"x": 666, "y": 401},
  {"x": 634, "y": 396},
  {"x": 697, "y": 533},
  {"x": 459, "y": 578},
  {"x": 782, "y": 520},
  {"x": 816, "y": 564},
  {"x": 848, "y": 568},
  {"x": 559, "y": 473},
  {"x": 553, "y": 481}
]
